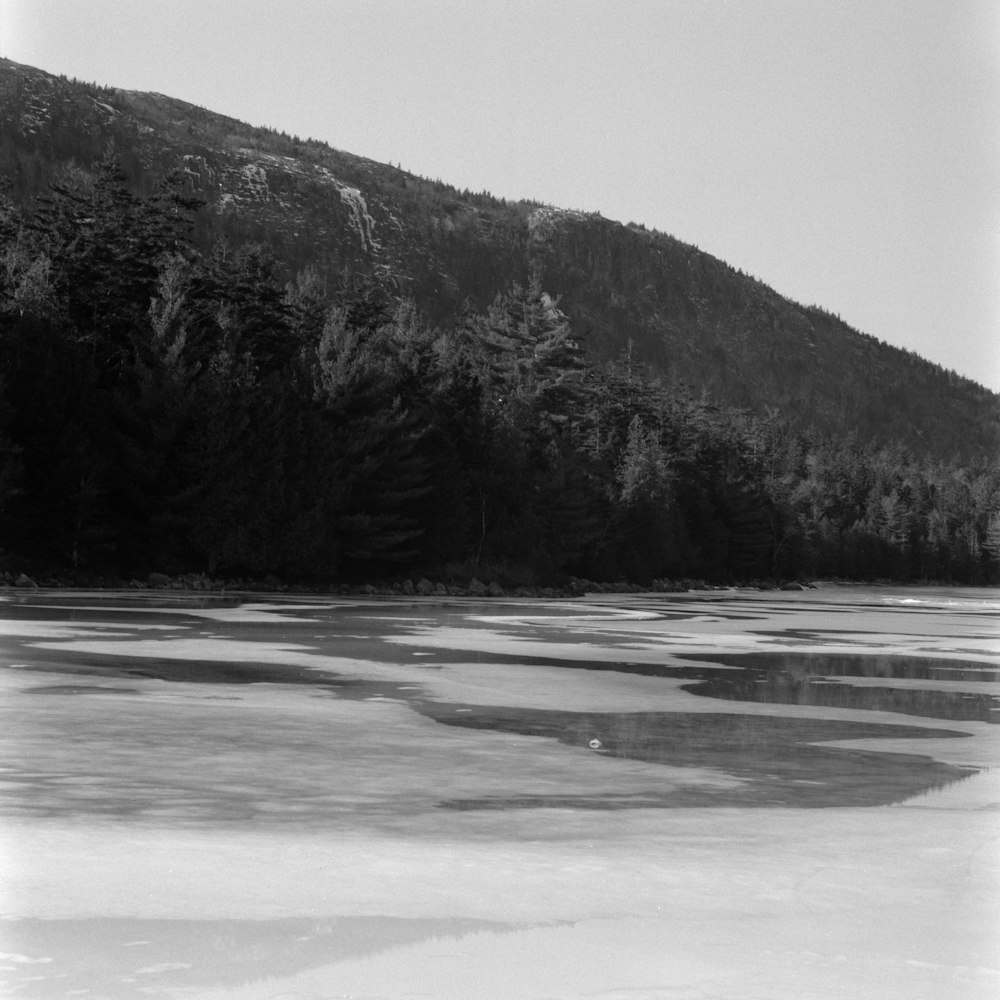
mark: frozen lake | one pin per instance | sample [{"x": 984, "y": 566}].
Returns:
[{"x": 647, "y": 797}]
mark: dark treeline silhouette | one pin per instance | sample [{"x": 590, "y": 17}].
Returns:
[{"x": 170, "y": 409}]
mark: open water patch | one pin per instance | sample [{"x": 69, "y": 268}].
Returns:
[
  {"x": 812, "y": 679},
  {"x": 779, "y": 758}
]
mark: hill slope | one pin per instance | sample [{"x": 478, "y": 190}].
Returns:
[{"x": 690, "y": 317}]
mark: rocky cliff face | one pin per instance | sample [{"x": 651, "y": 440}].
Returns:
[{"x": 690, "y": 317}]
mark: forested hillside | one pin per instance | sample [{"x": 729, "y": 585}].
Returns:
[
  {"x": 225, "y": 350},
  {"x": 689, "y": 317}
]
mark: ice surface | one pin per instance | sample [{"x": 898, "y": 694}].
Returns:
[{"x": 172, "y": 837}]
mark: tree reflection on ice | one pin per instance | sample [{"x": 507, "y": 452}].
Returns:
[
  {"x": 810, "y": 679},
  {"x": 118, "y": 958}
]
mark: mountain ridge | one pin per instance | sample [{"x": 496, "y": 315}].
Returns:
[{"x": 686, "y": 315}]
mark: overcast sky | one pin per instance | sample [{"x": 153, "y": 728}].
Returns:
[{"x": 846, "y": 152}]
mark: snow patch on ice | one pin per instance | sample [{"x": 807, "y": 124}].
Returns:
[
  {"x": 583, "y": 617},
  {"x": 948, "y": 603}
]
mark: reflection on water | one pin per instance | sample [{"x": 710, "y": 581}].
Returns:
[
  {"x": 807, "y": 679},
  {"x": 777, "y": 756},
  {"x": 123, "y": 958},
  {"x": 783, "y": 678}
]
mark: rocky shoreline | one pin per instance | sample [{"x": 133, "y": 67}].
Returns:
[{"x": 409, "y": 587}]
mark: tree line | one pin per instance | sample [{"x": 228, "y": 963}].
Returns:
[{"x": 181, "y": 411}]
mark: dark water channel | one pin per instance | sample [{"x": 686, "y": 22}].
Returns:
[
  {"x": 812, "y": 679},
  {"x": 777, "y": 756}
]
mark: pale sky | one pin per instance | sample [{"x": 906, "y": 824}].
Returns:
[{"x": 845, "y": 152}]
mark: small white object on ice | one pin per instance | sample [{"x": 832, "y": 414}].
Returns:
[{"x": 594, "y": 744}]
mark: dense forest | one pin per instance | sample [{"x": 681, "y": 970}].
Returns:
[
  {"x": 171, "y": 408},
  {"x": 688, "y": 317}
]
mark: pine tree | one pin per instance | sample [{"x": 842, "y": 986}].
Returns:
[
  {"x": 252, "y": 311},
  {"x": 373, "y": 438}
]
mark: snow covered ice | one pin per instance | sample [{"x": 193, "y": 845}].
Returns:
[{"x": 331, "y": 798}]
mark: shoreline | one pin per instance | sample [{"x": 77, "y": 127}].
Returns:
[{"x": 199, "y": 583}]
